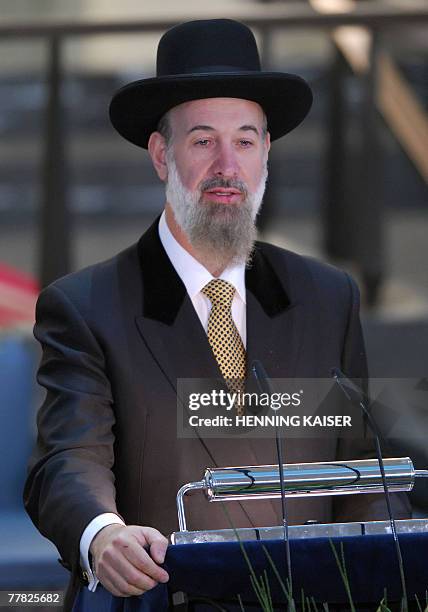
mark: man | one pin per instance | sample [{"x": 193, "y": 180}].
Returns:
[{"x": 118, "y": 335}]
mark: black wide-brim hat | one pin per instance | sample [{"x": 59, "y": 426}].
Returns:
[{"x": 215, "y": 58}]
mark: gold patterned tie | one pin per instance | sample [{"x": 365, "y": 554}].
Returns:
[{"x": 224, "y": 338}]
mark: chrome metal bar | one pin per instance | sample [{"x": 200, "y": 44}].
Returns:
[
  {"x": 303, "y": 479},
  {"x": 191, "y": 486}
]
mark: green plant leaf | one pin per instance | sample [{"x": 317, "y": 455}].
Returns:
[
  {"x": 241, "y": 605},
  {"x": 383, "y": 607},
  {"x": 286, "y": 592},
  {"x": 342, "y": 569}
]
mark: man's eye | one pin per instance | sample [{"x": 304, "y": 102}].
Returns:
[
  {"x": 203, "y": 141},
  {"x": 246, "y": 143}
]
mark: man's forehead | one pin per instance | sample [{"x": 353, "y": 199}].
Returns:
[{"x": 216, "y": 112}]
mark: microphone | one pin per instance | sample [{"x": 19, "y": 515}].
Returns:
[
  {"x": 357, "y": 397},
  {"x": 264, "y": 386}
]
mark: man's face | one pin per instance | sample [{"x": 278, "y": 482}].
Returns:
[
  {"x": 215, "y": 169},
  {"x": 219, "y": 138}
]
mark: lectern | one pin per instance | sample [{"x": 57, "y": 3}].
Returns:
[{"x": 209, "y": 570}]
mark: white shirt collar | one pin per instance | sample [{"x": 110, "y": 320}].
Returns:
[{"x": 192, "y": 273}]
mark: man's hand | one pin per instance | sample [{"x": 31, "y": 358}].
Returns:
[{"x": 122, "y": 564}]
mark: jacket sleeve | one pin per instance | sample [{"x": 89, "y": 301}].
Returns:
[
  {"x": 361, "y": 507},
  {"x": 70, "y": 479}
]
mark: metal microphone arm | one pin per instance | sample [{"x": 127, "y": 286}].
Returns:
[
  {"x": 349, "y": 388},
  {"x": 264, "y": 385}
]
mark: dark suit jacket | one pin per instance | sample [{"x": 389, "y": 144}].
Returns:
[{"x": 117, "y": 335}]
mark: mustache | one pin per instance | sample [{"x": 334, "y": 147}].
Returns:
[{"x": 218, "y": 181}]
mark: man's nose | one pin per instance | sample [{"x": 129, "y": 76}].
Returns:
[{"x": 225, "y": 163}]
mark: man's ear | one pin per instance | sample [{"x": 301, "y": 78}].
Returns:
[
  {"x": 267, "y": 141},
  {"x": 157, "y": 149}
]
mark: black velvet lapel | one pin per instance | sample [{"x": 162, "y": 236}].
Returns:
[
  {"x": 262, "y": 281},
  {"x": 275, "y": 319},
  {"x": 163, "y": 289}
]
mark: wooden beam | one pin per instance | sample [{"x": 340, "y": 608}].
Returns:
[
  {"x": 396, "y": 101},
  {"x": 404, "y": 113}
]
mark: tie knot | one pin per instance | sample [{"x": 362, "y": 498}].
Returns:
[{"x": 219, "y": 292}]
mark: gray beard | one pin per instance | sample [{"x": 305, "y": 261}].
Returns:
[{"x": 221, "y": 234}]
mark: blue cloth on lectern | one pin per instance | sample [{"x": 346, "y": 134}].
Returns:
[{"x": 218, "y": 570}]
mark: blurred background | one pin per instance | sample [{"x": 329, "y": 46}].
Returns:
[{"x": 348, "y": 186}]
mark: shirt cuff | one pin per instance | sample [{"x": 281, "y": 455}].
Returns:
[{"x": 91, "y": 530}]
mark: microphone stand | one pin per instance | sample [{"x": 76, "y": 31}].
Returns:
[
  {"x": 350, "y": 390},
  {"x": 264, "y": 386}
]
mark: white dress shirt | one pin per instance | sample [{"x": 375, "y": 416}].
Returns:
[{"x": 195, "y": 277}]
